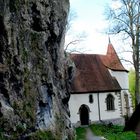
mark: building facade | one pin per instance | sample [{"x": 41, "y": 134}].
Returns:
[{"x": 99, "y": 89}]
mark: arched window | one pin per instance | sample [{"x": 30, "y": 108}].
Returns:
[
  {"x": 91, "y": 98},
  {"x": 110, "y": 102}
]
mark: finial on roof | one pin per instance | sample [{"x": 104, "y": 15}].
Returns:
[{"x": 109, "y": 39}]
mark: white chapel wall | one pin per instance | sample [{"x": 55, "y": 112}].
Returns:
[
  {"x": 123, "y": 92},
  {"x": 122, "y": 78},
  {"x": 112, "y": 114},
  {"x": 76, "y": 100}
]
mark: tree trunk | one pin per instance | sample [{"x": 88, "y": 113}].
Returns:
[{"x": 136, "y": 65}]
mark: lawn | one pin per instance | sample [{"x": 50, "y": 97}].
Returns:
[
  {"x": 80, "y": 133},
  {"x": 109, "y": 132}
]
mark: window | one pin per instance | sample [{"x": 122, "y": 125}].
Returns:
[
  {"x": 91, "y": 98},
  {"x": 110, "y": 102}
]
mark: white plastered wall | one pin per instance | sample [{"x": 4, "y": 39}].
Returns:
[
  {"x": 122, "y": 78},
  {"x": 76, "y": 100},
  {"x": 112, "y": 114}
]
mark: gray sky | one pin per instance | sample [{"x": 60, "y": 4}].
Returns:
[{"x": 90, "y": 19}]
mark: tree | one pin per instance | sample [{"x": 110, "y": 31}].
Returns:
[
  {"x": 125, "y": 20},
  {"x": 132, "y": 84}
]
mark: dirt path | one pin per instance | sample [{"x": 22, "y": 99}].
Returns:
[{"x": 91, "y": 136}]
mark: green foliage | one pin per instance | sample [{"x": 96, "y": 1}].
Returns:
[
  {"x": 1, "y": 135},
  {"x": 80, "y": 133},
  {"x": 14, "y": 5},
  {"x": 112, "y": 132},
  {"x": 42, "y": 135},
  {"x": 132, "y": 81},
  {"x": 20, "y": 128},
  {"x": 132, "y": 84}
]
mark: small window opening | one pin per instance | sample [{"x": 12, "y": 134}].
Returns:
[{"x": 91, "y": 98}]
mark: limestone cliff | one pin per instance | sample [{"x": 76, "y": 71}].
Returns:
[{"x": 33, "y": 71}]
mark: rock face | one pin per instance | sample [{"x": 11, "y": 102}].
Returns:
[{"x": 33, "y": 73}]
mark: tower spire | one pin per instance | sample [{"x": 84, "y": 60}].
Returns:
[{"x": 109, "y": 39}]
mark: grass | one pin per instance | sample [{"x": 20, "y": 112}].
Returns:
[
  {"x": 112, "y": 132},
  {"x": 109, "y": 132},
  {"x": 80, "y": 133}
]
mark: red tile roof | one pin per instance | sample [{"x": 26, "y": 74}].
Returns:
[
  {"x": 111, "y": 59},
  {"x": 92, "y": 75}
]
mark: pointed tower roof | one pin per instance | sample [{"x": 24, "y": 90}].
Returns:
[
  {"x": 111, "y": 60},
  {"x": 111, "y": 51},
  {"x": 109, "y": 40}
]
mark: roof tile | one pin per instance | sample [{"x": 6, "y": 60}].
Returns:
[
  {"x": 111, "y": 59},
  {"x": 92, "y": 75}
]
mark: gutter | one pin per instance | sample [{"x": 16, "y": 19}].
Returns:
[{"x": 99, "y": 107}]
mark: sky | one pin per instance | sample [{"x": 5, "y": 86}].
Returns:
[{"x": 90, "y": 21}]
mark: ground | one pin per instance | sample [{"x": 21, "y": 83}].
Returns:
[{"x": 91, "y": 136}]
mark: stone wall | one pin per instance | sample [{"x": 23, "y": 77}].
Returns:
[{"x": 33, "y": 68}]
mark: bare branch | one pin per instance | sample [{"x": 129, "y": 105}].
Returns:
[
  {"x": 125, "y": 52},
  {"x": 73, "y": 42},
  {"x": 126, "y": 19},
  {"x": 128, "y": 61}
]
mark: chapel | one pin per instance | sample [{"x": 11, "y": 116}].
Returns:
[{"x": 99, "y": 89}]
